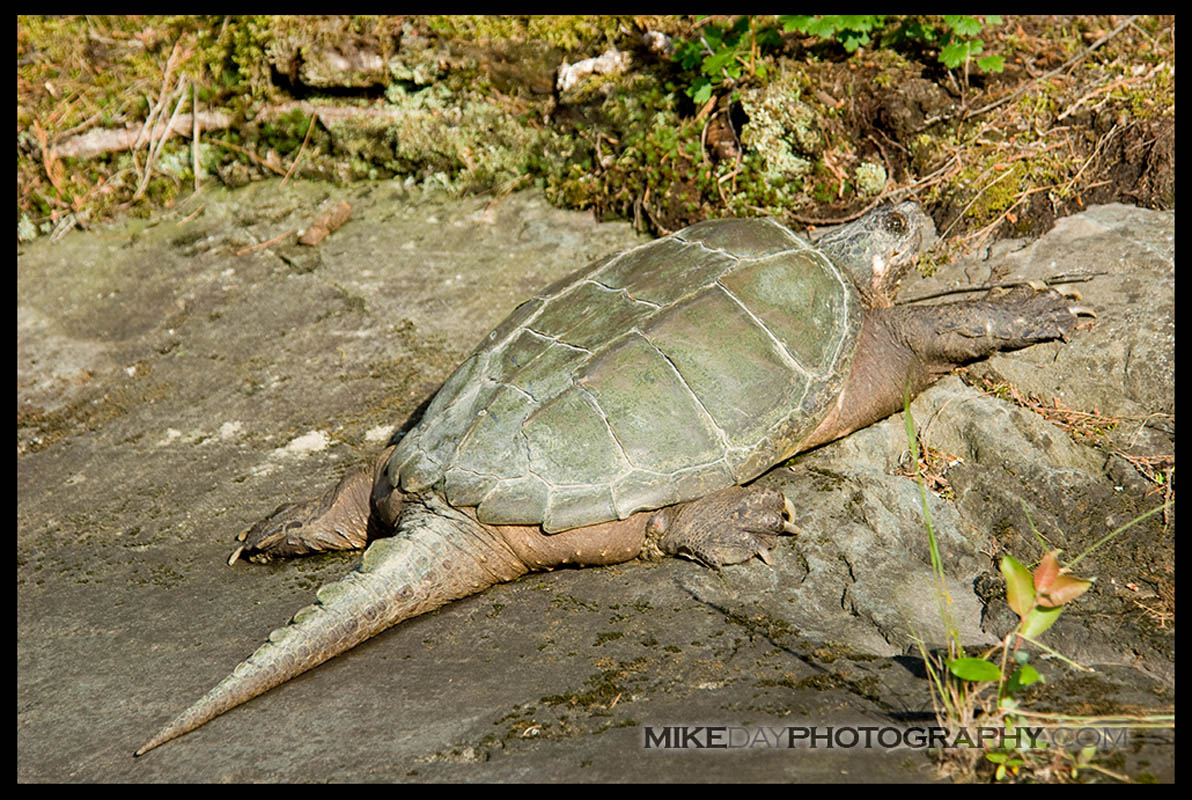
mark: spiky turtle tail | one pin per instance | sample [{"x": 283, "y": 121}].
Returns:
[{"x": 432, "y": 560}]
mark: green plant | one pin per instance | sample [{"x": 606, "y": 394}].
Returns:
[
  {"x": 1037, "y": 598},
  {"x": 956, "y": 39},
  {"x": 851, "y": 30},
  {"x": 956, "y": 36},
  {"x": 960, "y": 683},
  {"x": 723, "y": 53}
]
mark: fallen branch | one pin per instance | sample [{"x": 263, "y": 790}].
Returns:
[
  {"x": 104, "y": 140},
  {"x": 325, "y": 225},
  {"x": 1051, "y": 280}
]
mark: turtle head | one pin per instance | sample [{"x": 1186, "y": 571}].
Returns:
[{"x": 878, "y": 249}]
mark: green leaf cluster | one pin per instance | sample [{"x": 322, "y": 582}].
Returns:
[
  {"x": 958, "y": 43},
  {"x": 723, "y": 53},
  {"x": 851, "y": 30},
  {"x": 956, "y": 39},
  {"x": 720, "y": 55},
  {"x": 956, "y": 36}
]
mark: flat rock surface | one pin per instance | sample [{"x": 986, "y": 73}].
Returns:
[{"x": 175, "y": 384}]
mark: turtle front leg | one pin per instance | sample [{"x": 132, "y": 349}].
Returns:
[
  {"x": 346, "y": 518},
  {"x": 955, "y": 333},
  {"x": 726, "y": 527},
  {"x": 908, "y": 348}
]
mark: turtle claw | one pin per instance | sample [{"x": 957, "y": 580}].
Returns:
[
  {"x": 788, "y": 514},
  {"x": 235, "y": 556},
  {"x": 1084, "y": 315},
  {"x": 1069, "y": 292}
]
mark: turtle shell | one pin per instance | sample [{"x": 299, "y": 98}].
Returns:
[{"x": 652, "y": 376}]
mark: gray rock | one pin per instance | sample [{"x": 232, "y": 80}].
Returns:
[{"x": 167, "y": 385}]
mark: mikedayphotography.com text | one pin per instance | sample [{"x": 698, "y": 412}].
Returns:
[{"x": 886, "y": 737}]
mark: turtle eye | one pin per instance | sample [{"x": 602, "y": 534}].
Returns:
[{"x": 896, "y": 223}]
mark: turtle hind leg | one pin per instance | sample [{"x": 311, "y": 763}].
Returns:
[
  {"x": 348, "y": 517},
  {"x": 337, "y": 521},
  {"x": 726, "y": 527}
]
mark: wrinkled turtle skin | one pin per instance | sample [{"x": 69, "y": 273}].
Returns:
[
  {"x": 623, "y": 412},
  {"x": 657, "y": 375}
]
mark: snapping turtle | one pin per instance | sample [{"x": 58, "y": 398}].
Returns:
[{"x": 620, "y": 413}]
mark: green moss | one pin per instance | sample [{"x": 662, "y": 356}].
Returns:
[
  {"x": 602, "y": 688},
  {"x": 999, "y": 193},
  {"x": 466, "y": 139},
  {"x": 567, "y": 32},
  {"x": 286, "y": 133},
  {"x": 1150, "y": 99}
]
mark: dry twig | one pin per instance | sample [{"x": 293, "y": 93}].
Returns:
[{"x": 1070, "y": 62}]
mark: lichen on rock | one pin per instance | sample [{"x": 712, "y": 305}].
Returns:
[{"x": 781, "y": 129}]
